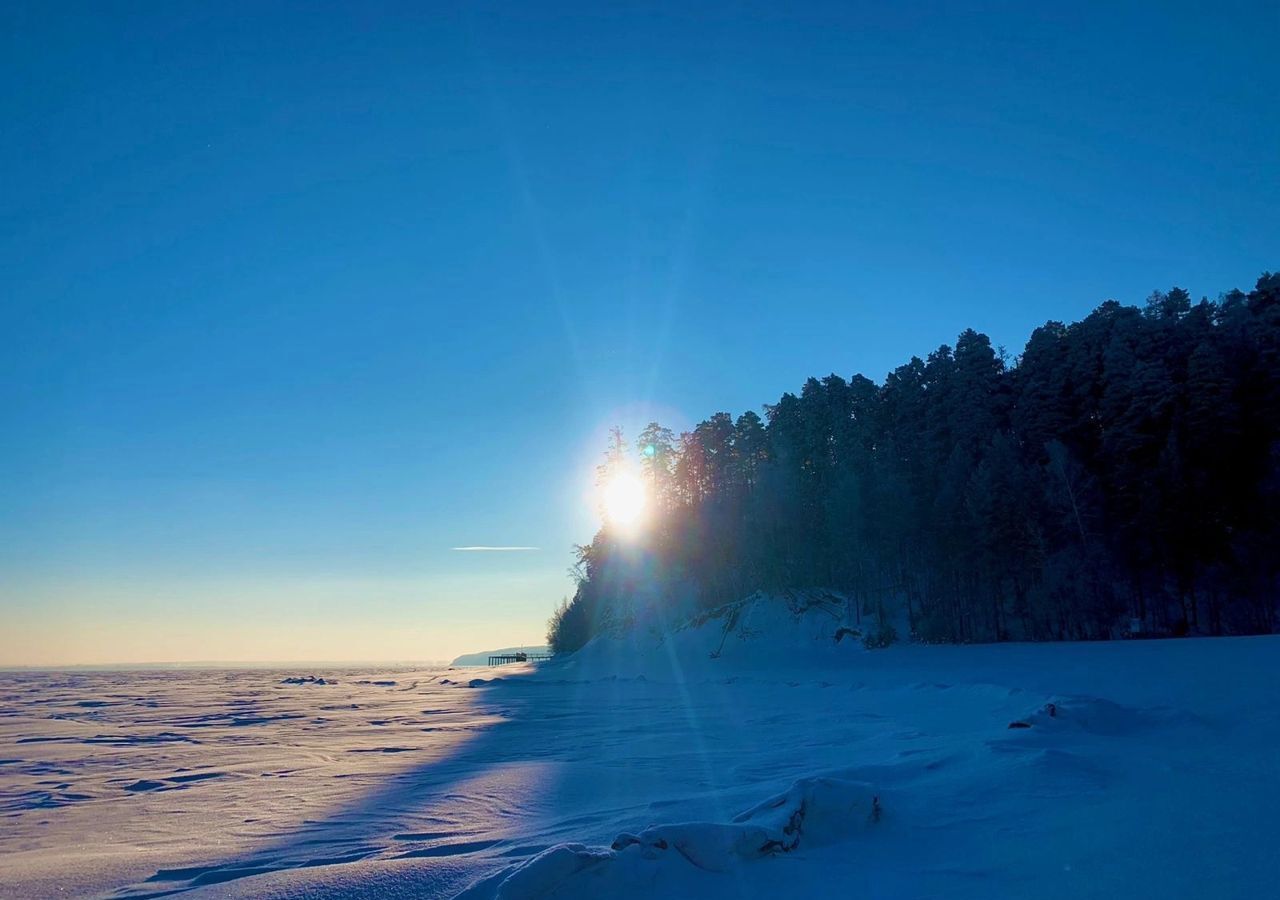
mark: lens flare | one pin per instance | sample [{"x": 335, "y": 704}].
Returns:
[{"x": 624, "y": 500}]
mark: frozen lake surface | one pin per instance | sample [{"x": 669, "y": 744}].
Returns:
[
  {"x": 147, "y": 781},
  {"x": 646, "y": 768}
]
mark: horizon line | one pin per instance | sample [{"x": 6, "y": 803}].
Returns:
[{"x": 222, "y": 664}]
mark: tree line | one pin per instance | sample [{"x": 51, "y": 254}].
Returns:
[{"x": 1121, "y": 476}]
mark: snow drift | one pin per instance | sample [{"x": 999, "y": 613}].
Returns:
[{"x": 814, "y": 810}]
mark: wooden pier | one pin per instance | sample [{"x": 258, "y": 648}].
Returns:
[{"x": 517, "y": 658}]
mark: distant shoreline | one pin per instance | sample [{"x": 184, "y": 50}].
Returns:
[{"x": 206, "y": 665}]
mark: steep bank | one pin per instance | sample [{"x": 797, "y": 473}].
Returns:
[{"x": 774, "y": 761}]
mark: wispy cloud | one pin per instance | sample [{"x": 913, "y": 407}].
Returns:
[{"x": 486, "y": 549}]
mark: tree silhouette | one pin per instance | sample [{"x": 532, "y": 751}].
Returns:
[{"x": 1123, "y": 474}]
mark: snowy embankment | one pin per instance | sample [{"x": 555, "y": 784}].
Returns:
[
  {"x": 1103, "y": 769},
  {"x": 751, "y": 755}
]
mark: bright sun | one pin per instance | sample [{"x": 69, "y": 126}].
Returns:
[{"x": 624, "y": 500}]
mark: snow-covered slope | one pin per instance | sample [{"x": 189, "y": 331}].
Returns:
[
  {"x": 1064, "y": 770},
  {"x": 745, "y": 755}
]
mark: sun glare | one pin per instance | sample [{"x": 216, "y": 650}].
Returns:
[{"x": 624, "y": 500}]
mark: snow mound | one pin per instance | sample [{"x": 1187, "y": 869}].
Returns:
[
  {"x": 1095, "y": 715},
  {"x": 550, "y": 871},
  {"x": 813, "y": 811},
  {"x": 822, "y": 810}
]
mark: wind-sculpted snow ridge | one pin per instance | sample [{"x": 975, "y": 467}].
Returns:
[
  {"x": 815, "y": 811},
  {"x": 1096, "y": 715}
]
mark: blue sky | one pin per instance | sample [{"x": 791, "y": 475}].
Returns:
[{"x": 295, "y": 301}]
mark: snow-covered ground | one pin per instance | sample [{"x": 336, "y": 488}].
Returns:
[{"x": 787, "y": 765}]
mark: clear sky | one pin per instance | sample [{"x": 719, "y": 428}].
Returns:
[{"x": 292, "y": 302}]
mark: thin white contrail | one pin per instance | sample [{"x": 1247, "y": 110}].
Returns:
[{"x": 486, "y": 549}]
